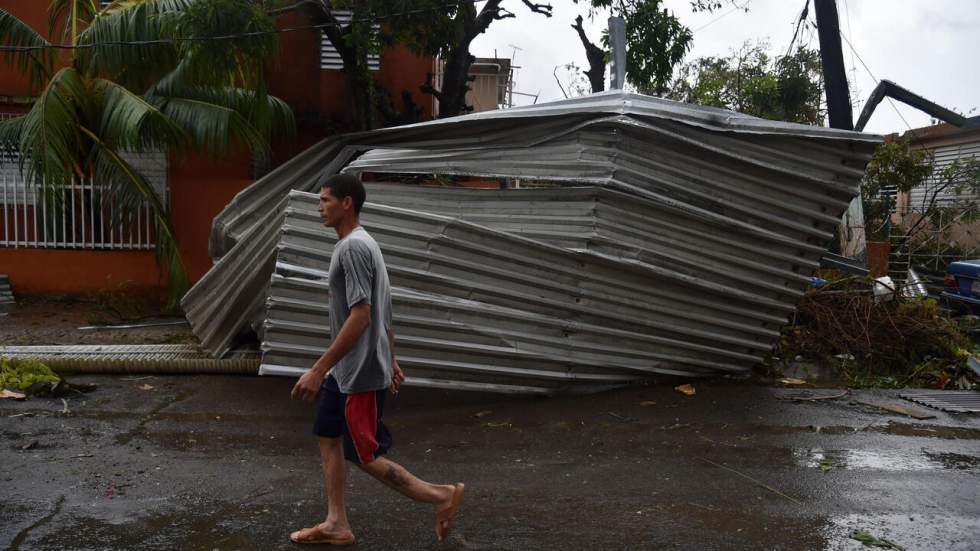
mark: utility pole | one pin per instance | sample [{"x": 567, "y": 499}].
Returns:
[
  {"x": 854, "y": 242},
  {"x": 832, "y": 58}
]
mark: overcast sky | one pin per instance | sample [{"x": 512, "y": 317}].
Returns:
[{"x": 928, "y": 46}]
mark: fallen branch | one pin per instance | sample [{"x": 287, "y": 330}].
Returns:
[
  {"x": 756, "y": 481},
  {"x": 815, "y": 398}
]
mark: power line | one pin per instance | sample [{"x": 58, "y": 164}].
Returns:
[
  {"x": 178, "y": 39},
  {"x": 915, "y": 137},
  {"x": 873, "y": 77},
  {"x": 722, "y": 16},
  {"x": 799, "y": 21},
  {"x": 847, "y": 15}
]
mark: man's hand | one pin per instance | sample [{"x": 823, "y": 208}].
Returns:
[
  {"x": 397, "y": 377},
  {"x": 308, "y": 386}
]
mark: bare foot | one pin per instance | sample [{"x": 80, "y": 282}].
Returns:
[
  {"x": 446, "y": 511},
  {"x": 323, "y": 533}
]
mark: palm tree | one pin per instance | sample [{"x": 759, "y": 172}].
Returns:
[{"x": 139, "y": 76}]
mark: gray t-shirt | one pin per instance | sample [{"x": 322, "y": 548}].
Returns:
[{"x": 358, "y": 274}]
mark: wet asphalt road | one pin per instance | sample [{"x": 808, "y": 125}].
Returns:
[{"x": 212, "y": 462}]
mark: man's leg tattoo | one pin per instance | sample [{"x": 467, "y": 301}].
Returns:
[{"x": 394, "y": 478}]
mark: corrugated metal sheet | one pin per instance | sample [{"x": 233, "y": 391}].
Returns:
[
  {"x": 491, "y": 307},
  {"x": 686, "y": 256},
  {"x": 953, "y": 401}
]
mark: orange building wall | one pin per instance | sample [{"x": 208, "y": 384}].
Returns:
[
  {"x": 400, "y": 70},
  {"x": 294, "y": 77},
  {"x": 298, "y": 79},
  {"x": 199, "y": 187},
  {"x": 12, "y": 81},
  {"x": 403, "y": 70},
  {"x": 50, "y": 271}
]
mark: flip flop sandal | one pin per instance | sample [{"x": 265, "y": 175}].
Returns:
[
  {"x": 444, "y": 518},
  {"x": 321, "y": 540}
]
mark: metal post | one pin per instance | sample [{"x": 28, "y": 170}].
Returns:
[{"x": 617, "y": 44}]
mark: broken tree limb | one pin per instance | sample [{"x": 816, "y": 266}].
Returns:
[
  {"x": 815, "y": 398},
  {"x": 755, "y": 481},
  {"x": 596, "y": 57}
]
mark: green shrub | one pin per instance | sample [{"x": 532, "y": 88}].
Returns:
[{"x": 21, "y": 374}]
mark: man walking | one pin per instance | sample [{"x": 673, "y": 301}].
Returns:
[{"x": 350, "y": 378}]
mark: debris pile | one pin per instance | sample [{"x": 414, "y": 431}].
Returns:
[
  {"x": 678, "y": 240},
  {"x": 906, "y": 341}
]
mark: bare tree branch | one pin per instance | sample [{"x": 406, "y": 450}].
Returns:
[
  {"x": 427, "y": 87},
  {"x": 538, "y": 8},
  {"x": 596, "y": 57}
]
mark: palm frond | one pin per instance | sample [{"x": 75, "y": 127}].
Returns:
[
  {"x": 129, "y": 191},
  {"x": 115, "y": 6},
  {"x": 73, "y": 15},
  {"x": 48, "y": 138},
  {"x": 133, "y": 66},
  {"x": 35, "y": 63},
  {"x": 213, "y": 128},
  {"x": 241, "y": 60},
  {"x": 10, "y": 131},
  {"x": 129, "y": 122},
  {"x": 281, "y": 119},
  {"x": 270, "y": 116}
]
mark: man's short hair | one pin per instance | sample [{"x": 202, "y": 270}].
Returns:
[{"x": 346, "y": 185}]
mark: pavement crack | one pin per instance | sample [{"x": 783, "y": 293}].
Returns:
[
  {"x": 125, "y": 437},
  {"x": 22, "y": 535}
]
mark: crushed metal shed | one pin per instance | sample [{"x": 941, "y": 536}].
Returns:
[{"x": 676, "y": 239}]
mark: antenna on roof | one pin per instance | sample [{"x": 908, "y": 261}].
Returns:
[{"x": 516, "y": 48}]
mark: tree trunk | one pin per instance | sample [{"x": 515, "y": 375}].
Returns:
[
  {"x": 467, "y": 26},
  {"x": 455, "y": 81},
  {"x": 456, "y": 74},
  {"x": 359, "y": 81},
  {"x": 596, "y": 57}
]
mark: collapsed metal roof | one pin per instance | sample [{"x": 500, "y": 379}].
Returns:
[{"x": 685, "y": 254}]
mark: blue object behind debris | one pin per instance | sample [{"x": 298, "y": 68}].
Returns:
[{"x": 962, "y": 286}]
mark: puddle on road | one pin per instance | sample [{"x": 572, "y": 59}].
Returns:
[
  {"x": 928, "y": 431},
  {"x": 891, "y": 428},
  {"x": 949, "y": 532},
  {"x": 830, "y": 459}
]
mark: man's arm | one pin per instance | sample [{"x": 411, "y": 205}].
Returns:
[
  {"x": 397, "y": 376},
  {"x": 357, "y": 322}
]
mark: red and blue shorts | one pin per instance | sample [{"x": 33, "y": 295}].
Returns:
[{"x": 357, "y": 418}]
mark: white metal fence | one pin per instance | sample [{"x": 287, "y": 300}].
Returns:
[{"x": 77, "y": 215}]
